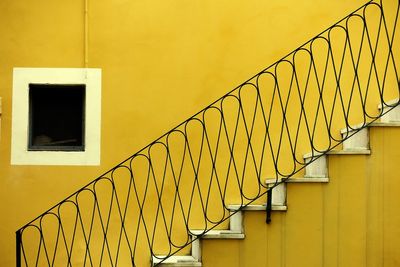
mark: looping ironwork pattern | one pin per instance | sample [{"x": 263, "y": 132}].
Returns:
[{"x": 147, "y": 205}]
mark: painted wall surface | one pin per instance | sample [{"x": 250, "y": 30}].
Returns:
[
  {"x": 351, "y": 221},
  {"x": 161, "y": 62}
]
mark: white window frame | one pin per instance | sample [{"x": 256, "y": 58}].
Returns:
[{"x": 22, "y": 77}]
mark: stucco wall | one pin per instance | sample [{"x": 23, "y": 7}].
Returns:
[{"x": 161, "y": 62}]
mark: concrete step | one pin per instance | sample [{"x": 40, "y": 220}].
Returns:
[
  {"x": 218, "y": 234},
  {"x": 278, "y": 192},
  {"x": 394, "y": 114},
  {"x": 350, "y": 152},
  {"x": 235, "y": 228},
  {"x": 356, "y": 139},
  {"x": 300, "y": 180},
  {"x": 182, "y": 261},
  {"x": 356, "y": 144},
  {"x": 316, "y": 165},
  {"x": 259, "y": 207},
  {"x": 384, "y": 124}
]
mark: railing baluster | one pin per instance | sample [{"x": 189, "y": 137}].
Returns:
[
  {"x": 269, "y": 205},
  {"x": 18, "y": 247}
]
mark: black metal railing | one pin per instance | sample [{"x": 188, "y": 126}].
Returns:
[{"x": 146, "y": 205}]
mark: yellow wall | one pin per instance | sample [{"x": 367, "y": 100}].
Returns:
[
  {"x": 351, "y": 221},
  {"x": 161, "y": 62}
]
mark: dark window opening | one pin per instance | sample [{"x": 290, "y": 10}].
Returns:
[{"x": 56, "y": 117}]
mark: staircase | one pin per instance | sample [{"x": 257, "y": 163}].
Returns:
[
  {"x": 316, "y": 172},
  {"x": 196, "y": 181}
]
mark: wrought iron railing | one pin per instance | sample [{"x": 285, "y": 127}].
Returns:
[{"x": 146, "y": 205}]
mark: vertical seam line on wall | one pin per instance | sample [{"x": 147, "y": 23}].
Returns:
[
  {"x": 338, "y": 216},
  {"x": 86, "y": 33},
  {"x": 367, "y": 168},
  {"x": 323, "y": 197},
  {"x": 0, "y": 115},
  {"x": 365, "y": 174},
  {"x": 283, "y": 236},
  {"x": 382, "y": 179}
]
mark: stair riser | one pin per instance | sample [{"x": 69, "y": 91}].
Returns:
[
  {"x": 358, "y": 141},
  {"x": 279, "y": 195},
  {"x": 391, "y": 116},
  {"x": 318, "y": 168},
  {"x": 236, "y": 222},
  {"x": 196, "y": 249}
]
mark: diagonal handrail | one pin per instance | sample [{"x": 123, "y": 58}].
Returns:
[{"x": 146, "y": 205}]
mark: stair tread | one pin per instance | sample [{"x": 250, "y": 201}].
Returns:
[
  {"x": 257, "y": 207},
  {"x": 223, "y": 234},
  {"x": 181, "y": 264},
  {"x": 384, "y": 124},
  {"x": 175, "y": 259},
  {"x": 300, "y": 180},
  {"x": 355, "y": 151},
  {"x": 350, "y": 152}
]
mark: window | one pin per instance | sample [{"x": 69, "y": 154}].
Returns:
[{"x": 56, "y": 116}]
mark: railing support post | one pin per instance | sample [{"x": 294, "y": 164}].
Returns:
[
  {"x": 269, "y": 205},
  {"x": 18, "y": 247}
]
